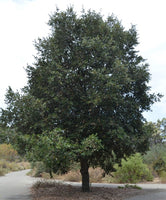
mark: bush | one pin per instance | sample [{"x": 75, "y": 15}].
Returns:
[
  {"x": 163, "y": 177},
  {"x": 38, "y": 169},
  {"x": 2, "y": 171},
  {"x": 6, "y": 167},
  {"x": 133, "y": 170},
  {"x": 155, "y": 158},
  {"x": 7, "y": 152},
  {"x": 9, "y": 160}
]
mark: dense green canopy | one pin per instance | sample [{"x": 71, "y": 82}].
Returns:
[{"x": 89, "y": 81}]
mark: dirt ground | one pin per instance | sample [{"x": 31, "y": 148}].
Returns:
[{"x": 58, "y": 191}]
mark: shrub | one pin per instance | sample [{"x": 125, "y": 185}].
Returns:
[
  {"x": 155, "y": 158},
  {"x": 2, "y": 171},
  {"x": 12, "y": 166},
  {"x": 7, "y": 152},
  {"x": 6, "y": 166},
  {"x": 163, "y": 177},
  {"x": 133, "y": 170},
  {"x": 38, "y": 169}
]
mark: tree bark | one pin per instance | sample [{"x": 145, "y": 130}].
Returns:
[
  {"x": 85, "y": 175},
  {"x": 50, "y": 172}
]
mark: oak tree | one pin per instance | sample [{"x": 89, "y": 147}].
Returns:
[{"x": 89, "y": 81}]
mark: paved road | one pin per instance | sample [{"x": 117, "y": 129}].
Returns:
[
  {"x": 151, "y": 191},
  {"x": 16, "y": 186},
  {"x": 154, "y": 195},
  {"x": 147, "y": 186}
]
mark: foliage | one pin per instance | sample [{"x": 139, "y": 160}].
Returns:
[
  {"x": 57, "y": 152},
  {"x": 24, "y": 112},
  {"x": 37, "y": 169},
  {"x": 156, "y": 158},
  {"x": 89, "y": 81},
  {"x": 7, "y": 166},
  {"x": 162, "y": 125},
  {"x": 163, "y": 176},
  {"x": 157, "y": 131},
  {"x": 52, "y": 150},
  {"x": 7, "y": 152},
  {"x": 133, "y": 170},
  {"x": 7, "y": 135},
  {"x": 10, "y": 160},
  {"x": 2, "y": 171}
]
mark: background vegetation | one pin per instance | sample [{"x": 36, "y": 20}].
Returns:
[
  {"x": 134, "y": 169},
  {"x": 10, "y": 160}
]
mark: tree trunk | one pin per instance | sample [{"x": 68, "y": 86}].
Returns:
[
  {"x": 50, "y": 172},
  {"x": 85, "y": 175}
]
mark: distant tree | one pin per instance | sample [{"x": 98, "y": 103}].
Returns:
[
  {"x": 24, "y": 112},
  {"x": 162, "y": 126},
  {"x": 7, "y": 135},
  {"x": 89, "y": 81},
  {"x": 157, "y": 131},
  {"x": 155, "y": 158},
  {"x": 154, "y": 133}
]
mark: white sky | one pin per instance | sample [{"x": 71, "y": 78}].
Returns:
[{"x": 23, "y": 21}]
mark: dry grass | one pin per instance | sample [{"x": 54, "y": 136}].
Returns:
[
  {"x": 10, "y": 161},
  {"x": 23, "y": 165},
  {"x": 73, "y": 176},
  {"x": 6, "y": 166},
  {"x": 57, "y": 191},
  {"x": 96, "y": 176},
  {"x": 163, "y": 177}
]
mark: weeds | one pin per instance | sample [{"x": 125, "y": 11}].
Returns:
[
  {"x": 163, "y": 176},
  {"x": 9, "y": 160},
  {"x": 7, "y": 152},
  {"x": 6, "y": 166}
]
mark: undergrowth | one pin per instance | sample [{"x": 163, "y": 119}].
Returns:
[{"x": 10, "y": 161}]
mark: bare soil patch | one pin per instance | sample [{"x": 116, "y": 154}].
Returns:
[{"x": 58, "y": 191}]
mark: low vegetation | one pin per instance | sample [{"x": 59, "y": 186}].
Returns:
[
  {"x": 8, "y": 153},
  {"x": 9, "y": 160},
  {"x": 155, "y": 158},
  {"x": 132, "y": 170}
]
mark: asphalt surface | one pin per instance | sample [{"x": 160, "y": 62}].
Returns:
[
  {"x": 151, "y": 191},
  {"x": 16, "y": 186},
  {"x": 148, "y": 186},
  {"x": 154, "y": 195}
]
